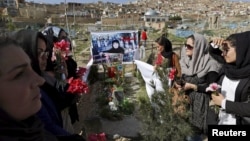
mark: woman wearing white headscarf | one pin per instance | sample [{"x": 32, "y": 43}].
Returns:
[{"x": 198, "y": 69}]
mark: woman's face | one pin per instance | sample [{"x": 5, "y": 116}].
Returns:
[
  {"x": 115, "y": 45},
  {"x": 189, "y": 46},
  {"x": 159, "y": 48},
  {"x": 42, "y": 54},
  {"x": 229, "y": 52},
  {"x": 19, "y": 84}
]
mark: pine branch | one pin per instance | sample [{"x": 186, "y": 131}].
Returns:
[{"x": 161, "y": 121}]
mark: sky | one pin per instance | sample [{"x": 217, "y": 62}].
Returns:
[{"x": 89, "y": 1}]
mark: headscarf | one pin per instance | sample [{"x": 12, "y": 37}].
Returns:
[
  {"x": 28, "y": 40},
  {"x": 52, "y": 30},
  {"x": 201, "y": 62},
  {"x": 52, "y": 35},
  {"x": 241, "y": 68},
  {"x": 116, "y": 50}
]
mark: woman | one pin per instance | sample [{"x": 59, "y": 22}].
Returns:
[
  {"x": 20, "y": 96},
  {"x": 34, "y": 44},
  {"x": 164, "y": 58},
  {"x": 70, "y": 114},
  {"x": 235, "y": 78},
  {"x": 116, "y": 48},
  {"x": 144, "y": 37},
  {"x": 55, "y": 34},
  {"x": 165, "y": 52},
  {"x": 199, "y": 69}
]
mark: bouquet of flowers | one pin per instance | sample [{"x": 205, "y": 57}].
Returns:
[
  {"x": 172, "y": 73},
  {"x": 59, "y": 55},
  {"x": 213, "y": 87},
  {"x": 77, "y": 86},
  {"x": 171, "y": 76}
]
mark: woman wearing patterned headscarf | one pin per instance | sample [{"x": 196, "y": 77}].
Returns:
[
  {"x": 199, "y": 69},
  {"x": 235, "y": 79}
]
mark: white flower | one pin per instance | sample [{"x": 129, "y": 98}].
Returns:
[{"x": 112, "y": 106}]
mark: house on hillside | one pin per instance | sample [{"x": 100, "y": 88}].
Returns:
[{"x": 155, "y": 20}]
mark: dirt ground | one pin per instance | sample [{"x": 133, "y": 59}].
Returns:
[{"x": 87, "y": 108}]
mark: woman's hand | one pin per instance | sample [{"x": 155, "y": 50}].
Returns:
[
  {"x": 190, "y": 86},
  {"x": 177, "y": 86},
  {"x": 217, "y": 99},
  {"x": 218, "y": 42},
  {"x": 155, "y": 67}
]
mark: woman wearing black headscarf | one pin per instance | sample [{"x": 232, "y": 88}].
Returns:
[
  {"x": 234, "y": 52},
  {"x": 116, "y": 48}
]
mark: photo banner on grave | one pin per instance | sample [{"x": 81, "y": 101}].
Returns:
[{"x": 123, "y": 42}]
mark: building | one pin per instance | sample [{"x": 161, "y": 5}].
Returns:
[
  {"x": 8, "y": 3},
  {"x": 155, "y": 20}
]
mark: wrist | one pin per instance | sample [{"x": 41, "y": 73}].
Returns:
[{"x": 195, "y": 87}]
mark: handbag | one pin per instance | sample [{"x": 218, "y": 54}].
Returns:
[{"x": 180, "y": 101}]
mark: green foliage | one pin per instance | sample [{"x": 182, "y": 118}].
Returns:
[
  {"x": 11, "y": 26},
  {"x": 160, "y": 121},
  {"x": 127, "y": 107},
  {"x": 208, "y": 32},
  {"x": 175, "y": 18},
  {"x": 174, "y": 38},
  {"x": 113, "y": 91},
  {"x": 103, "y": 102},
  {"x": 102, "y": 99}
]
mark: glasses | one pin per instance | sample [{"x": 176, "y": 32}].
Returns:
[
  {"x": 43, "y": 54},
  {"x": 187, "y": 46}
]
